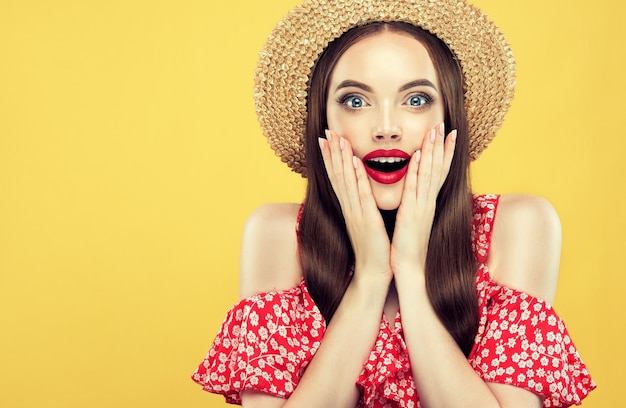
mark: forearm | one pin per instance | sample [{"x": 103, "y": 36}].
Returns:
[
  {"x": 330, "y": 378},
  {"x": 437, "y": 363}
]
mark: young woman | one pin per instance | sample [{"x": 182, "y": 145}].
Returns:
[{"x": 400, "y": 97}]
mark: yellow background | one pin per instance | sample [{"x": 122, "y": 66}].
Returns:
[{"x": 130, "y": 157}]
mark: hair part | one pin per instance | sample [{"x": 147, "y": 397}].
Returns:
[{"x": 326, "y": 252}]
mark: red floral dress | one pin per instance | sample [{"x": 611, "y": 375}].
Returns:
[{"x": 267, "y": 341}]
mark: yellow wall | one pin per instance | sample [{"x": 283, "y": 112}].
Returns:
[{"x": 130, "y": 157}]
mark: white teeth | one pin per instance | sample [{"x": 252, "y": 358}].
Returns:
[{"x": 388, "y": 159}]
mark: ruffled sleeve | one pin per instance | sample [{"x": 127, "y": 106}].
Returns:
[
  {"x": 521, "y": 341},
  {"x": 265, "y": 343}
]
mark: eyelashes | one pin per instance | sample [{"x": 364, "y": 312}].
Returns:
[
  {"x": 416, "y": 101},
  {"x": 419, "y": 100},
  {"x": 352, "y": 101}
]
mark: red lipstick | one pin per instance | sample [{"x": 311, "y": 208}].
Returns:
[{"x": 386, "y": 166}]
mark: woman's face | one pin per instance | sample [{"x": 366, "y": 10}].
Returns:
[{"x": 384, "y": 98}]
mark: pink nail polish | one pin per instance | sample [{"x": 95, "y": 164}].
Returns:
[
  {"x": 433, "y": 134},
  {"x": 342, "y": 143},
  {"x": 328, "y": 136}
]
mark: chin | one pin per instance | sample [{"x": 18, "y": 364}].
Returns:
[
  {"x": 388, "y": 207},
  {"x": 387, "y": 196},
  {"x": 387, "y": 201}
]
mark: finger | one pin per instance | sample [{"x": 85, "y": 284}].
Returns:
[
  {"x": 330, "y": 163},
  {"x": 364, "y": 189},
  {"x": 448, "y": 154},
  {"x": 325, "y": 151},
  {"x": 326, "y": 157},
  {"x": 424, "y": 171},
  {"x": 335, "y": 157},
  {"x": 409, "y": 193},
  {"x": 438, "y": 161},
  {"x": 349, "y": 175}
]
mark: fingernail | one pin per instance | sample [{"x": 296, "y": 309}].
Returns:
[
  {"x": 418, "y": 154},
  {"x": 453, "y": 135},
  {"x": 442, "y": 128},
  {"x": 328, "y": 136},
  {"x": 433, "y": 134},
  {"x": 355, "y": 162},
  {"x": 342, "y": 144}
]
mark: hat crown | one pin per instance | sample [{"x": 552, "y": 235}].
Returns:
[{"x": 297, "y": 41}]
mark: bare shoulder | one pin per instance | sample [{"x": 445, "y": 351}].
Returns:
[
  {"x": 526, "y": 245},
  {"x": 269, "y": 250}
]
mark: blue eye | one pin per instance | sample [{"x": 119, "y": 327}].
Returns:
[
  {"x": 354, "y": 102},
  {"x": 417, "y": 100}
]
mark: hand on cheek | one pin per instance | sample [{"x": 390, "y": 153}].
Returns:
[
  {"x": 427, "y": 172},
  {"x": 363, "y": 220}
]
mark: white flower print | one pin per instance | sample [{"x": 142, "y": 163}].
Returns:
[{"x": 267, "y": 341}]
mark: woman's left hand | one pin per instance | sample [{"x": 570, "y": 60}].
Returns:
[{"x": 428, "y": 169}]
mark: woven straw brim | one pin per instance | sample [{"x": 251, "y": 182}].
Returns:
[{"x": 293, "y": 47}]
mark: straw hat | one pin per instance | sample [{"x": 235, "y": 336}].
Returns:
[{"x": 293, "y": 47}]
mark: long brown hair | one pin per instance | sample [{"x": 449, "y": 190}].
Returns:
[{"x": 326, "y": 253}]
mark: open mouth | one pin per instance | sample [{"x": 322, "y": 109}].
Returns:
[{"x": 387, "y": 164}]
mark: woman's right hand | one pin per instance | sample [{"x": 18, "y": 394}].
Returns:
[{"x": 363, "y": 220}]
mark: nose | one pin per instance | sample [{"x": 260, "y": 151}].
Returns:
[{"x": 386, "y": 126}]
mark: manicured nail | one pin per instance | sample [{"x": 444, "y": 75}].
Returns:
[
  {"x": 320, "y": 140},
  {"x": 355, "y": 162},
  {"x": 342, "y": 143},
  {"x": 442, "y": 128},
  {"x": 433, "y": 134},
  {"x": 328, "y": 136},
  {"x": 418, "y": 154},
  {"x": 453, "y": 135}
]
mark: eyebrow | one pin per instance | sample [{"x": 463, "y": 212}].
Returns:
[
  {"x": 348, "y": 83},
  {"x": 418, "y": 82}
]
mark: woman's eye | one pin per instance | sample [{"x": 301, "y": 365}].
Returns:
[
  {"x": 354, "y": 102},
  {"x": 417, "y": 100}
]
